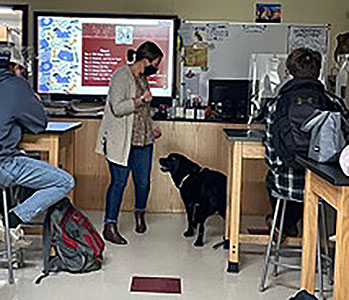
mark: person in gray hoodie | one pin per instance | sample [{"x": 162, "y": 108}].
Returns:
[{"x": 21, "y": 110}]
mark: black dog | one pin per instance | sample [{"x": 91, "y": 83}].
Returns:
[{"x": 204, "y": 192}]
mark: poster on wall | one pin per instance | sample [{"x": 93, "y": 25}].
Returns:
[
  {"x": 218, "y": 32},
  {"x": 195, "y": 57},
  {"x": 313, "y": 37},
  {"x": 268, "y": 12}
]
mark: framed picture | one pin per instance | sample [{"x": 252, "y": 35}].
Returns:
[{"x": 268, "y": 12}]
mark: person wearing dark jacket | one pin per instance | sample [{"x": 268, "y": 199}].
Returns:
[
  {"x": 296, "y": 101},
  {"x": 21, "y": 110}
]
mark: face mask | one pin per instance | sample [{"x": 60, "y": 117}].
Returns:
[{"x": 150, "y": 70}]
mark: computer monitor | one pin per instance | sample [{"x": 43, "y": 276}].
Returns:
[
  {"x": 234, "y": 94},
  {"x": 78, "y": 53}
]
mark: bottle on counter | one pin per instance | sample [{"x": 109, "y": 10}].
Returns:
[
  {"x": 189, "y": 110},
  {"x": 200, "y": 111},
  {"x": 195, "y": 104},
  {"x": 178, "y": 109},
  {"x": 172, "y": 109},
  {"x": 179, "y": 112}
]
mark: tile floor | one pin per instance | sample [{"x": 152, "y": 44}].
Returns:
[{"x": 162, "y": 251}]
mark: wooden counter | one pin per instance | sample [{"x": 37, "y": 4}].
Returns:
[{"x": 201, "y": 142}]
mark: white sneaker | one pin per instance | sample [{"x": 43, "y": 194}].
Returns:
[{"x": 17, "y": 237}]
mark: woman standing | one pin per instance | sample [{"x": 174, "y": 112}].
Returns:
[{"x": 126, "y": 136}]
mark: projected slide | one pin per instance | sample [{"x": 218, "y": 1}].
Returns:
[
  {"x": 59, "y": 55},
  {"x": 79, "y": 55}
]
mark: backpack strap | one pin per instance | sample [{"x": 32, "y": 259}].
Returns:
[
  {"x": 339, "y": 102},
  {"x": 46, "y": 244}
]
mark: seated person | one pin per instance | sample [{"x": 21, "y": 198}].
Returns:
[
  {"x": 296, "y": 101},
  {"x": 20, "y": 110}
]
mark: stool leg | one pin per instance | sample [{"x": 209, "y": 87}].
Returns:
[
  {"x": 269, "y": 248},
  {"x": 278, "y": 244},
  {"x": 20, "y": 258},
  {"x": 319, "y": 266},
  {"x": 7, "y": 239},
  {"x": 15, "y": 199},
  {"x": 327, "y": 251}
]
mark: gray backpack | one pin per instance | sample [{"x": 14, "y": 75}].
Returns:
[
  {"x": 76, "y": 244},
  {"x": 327, "y": 138}
]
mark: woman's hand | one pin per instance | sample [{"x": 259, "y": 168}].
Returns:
[
  {"x": 144, "y": 99},
  {"x": 157, "y": 133},
  {"x": 138, "y": 101},
  {"x": 147, "y": 96}
]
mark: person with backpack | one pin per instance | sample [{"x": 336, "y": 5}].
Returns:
[
  {"x": 296, "y": 101},
  {"x": 20, "y": 109}
]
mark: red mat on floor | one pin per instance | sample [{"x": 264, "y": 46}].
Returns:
[{"x": 156, "y": 285}]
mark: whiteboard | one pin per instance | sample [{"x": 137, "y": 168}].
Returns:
[
  {"x": 230, "y": 59},
  {"x": 231, "y": 46}
]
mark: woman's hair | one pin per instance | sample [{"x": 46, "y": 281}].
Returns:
[
  {"x": 304, "y": 63},
  {"x": 148, "y": 50}
]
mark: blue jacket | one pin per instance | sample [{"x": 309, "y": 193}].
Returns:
[{"x": 19, "y": 109}]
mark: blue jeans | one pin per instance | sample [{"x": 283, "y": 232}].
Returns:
[
  {"x": 139, "y": 162},
  {"x": 51, "y": 184}
]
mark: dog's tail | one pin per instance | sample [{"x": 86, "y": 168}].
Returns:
[{"x": 219, "y": 244}]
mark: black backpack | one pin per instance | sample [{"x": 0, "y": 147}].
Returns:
[
  {"x": 296, "y": 102},
  {"x": 76, "y": 245}
]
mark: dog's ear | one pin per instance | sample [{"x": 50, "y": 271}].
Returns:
[{"x": 175, "y": 163}]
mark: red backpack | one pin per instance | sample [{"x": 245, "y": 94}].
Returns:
[{"x": 77, "y": 246}]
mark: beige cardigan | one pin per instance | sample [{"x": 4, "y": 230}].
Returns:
[{"x": 115, "y": 132}]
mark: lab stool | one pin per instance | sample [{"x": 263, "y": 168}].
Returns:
[
  {"x": 276, "y": 249},
  {"x": 9, "y": 255}
]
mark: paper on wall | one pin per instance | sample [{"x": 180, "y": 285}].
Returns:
[
  {"x": 192, "y": 81},
  {"x": 254, "y": 29},
  {"x": 194, "y": 57},
  {"x": 186, "y": 33},
  {"x": 200, "y": 33},
  {"x": 313, "y": 37},
  {"x": 218, "y": 32}
]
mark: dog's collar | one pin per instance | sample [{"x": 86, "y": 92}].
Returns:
[{"x": 186, "y": 177}]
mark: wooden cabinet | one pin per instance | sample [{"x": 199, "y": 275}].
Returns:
[{"x": 202, "y": 142}]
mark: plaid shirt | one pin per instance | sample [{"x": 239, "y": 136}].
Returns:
[{"x": 282, "y": 180}]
